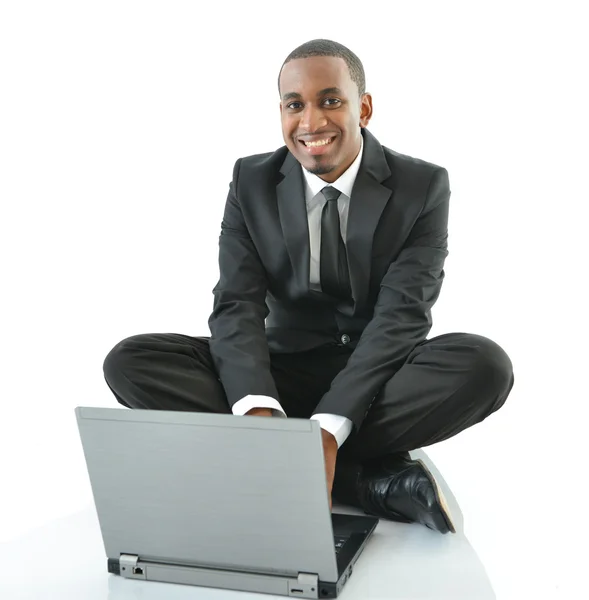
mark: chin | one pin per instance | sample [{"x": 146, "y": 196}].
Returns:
[
  {"x": 320, "y": 169},
  {"x": 318, "y": 166}
]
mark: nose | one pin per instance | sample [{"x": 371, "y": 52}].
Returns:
[{"x": 312, "y": 118}]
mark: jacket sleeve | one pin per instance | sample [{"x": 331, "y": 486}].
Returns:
[
  {"x": 402, "y": 317},
  {"x": 238, "y": 344}
]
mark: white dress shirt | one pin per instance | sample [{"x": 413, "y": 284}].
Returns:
[{"x": 340, "y": 427}]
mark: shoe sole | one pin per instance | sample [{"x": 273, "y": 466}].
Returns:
[{"x": 440, "y": 498}]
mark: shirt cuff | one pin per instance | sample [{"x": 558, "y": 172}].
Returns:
[
  {"x": 252, "y": 401},
  {"x": 340, "y": 427}
]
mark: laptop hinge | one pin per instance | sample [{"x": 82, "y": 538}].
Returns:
[
  {"x": 306, "y": 586},
  {"x": 128, "y": 564}
]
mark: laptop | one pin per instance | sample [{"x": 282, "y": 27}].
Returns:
[{"x": 219, "y": 501}]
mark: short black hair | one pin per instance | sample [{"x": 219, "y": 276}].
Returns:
[{"x": 330, "y": 48}]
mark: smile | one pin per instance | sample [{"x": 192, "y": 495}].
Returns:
[
  {"x": 318, "y": 143},
  {"x": 318, "y": 146}
]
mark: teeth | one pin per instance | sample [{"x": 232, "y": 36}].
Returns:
[{"x": 319, "y": 143}]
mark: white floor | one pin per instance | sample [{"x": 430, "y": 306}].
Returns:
[
  {"x": 522, "y": 536},
  {"x": 65, "y": 559}
]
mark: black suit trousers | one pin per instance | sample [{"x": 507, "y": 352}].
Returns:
[{"x": 447, "y": 383}]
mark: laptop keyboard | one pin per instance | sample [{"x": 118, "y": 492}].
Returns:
[{"x": 339, "y": 543}]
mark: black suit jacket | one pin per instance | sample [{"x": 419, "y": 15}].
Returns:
[{"x": 396, "y": 245}]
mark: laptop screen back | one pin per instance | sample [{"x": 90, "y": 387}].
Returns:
[{"x": 210, "y": 490}]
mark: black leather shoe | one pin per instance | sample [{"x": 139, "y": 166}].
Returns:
[{"x": 397, "y": 488}]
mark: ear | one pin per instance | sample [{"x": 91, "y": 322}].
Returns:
[{"x": 365, "y": 109}]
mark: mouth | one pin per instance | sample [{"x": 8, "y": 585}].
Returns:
[{"x": 319, "y": 145}]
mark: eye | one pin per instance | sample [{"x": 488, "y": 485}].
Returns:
[
  {"x": 332, "y": 101},
  {"x": 294, "y": 105}
]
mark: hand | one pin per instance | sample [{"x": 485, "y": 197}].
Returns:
[
  {"x": 329, "y": 448},
  {"x": 330, "y": 455},
  {"x": 260, "y": 412}
]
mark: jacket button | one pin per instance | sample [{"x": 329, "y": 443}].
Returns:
[{"x": 345, "y": 339}]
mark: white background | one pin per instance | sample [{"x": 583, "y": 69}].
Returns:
[{"x": 120, "y": 123}]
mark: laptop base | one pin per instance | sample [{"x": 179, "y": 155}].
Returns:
[
  {"x": 357, "y": 531},
  {"x": 306, "y": 585}
]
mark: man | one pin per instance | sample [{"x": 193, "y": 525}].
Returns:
[{"x": 331, "y": 257}]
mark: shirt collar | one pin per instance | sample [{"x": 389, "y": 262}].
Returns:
[{"x": 344, "y": 183}]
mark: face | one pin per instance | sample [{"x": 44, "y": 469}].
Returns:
[{"x": 322, "y": 114}]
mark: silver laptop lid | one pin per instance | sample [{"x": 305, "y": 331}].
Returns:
[{"x": 210, "y": 490}]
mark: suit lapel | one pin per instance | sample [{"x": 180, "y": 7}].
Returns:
[
  {"x": 367, "y": 203},
  {"x": 292, "y": 210}
]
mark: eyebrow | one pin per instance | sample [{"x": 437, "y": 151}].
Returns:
[{"x": 330, "y": 90}]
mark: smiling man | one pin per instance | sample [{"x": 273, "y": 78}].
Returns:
[
  {"x": 331, "y": 257},
  {"x": 322, "y": 125}
]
